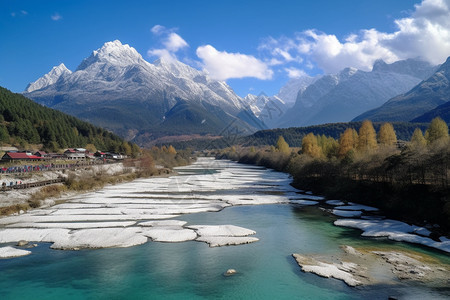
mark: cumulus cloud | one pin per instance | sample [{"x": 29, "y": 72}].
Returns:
[
  {"x": 170, "y": 41},
  {"x": 425, "y": 33},
  {"x": 56, "y": 17},
  {"x": 294, "y": 72},
  {"x": 222, "y": 65},
  {"x": 174, "y": 42}
]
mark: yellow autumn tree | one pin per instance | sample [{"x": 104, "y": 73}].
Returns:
[
  {"x": 282, "y": 145},
  {"x": 355, "y": 138},
  {"x": 347, "y": 141},
  {"x": 417, "y": 138},
  {"x": 310, "y": 146},
  {"x": 171, "y": 150},
  {"x": 438, "y": 129},
  {"x": 367, "y": 137},
  {"x": 386, "y": 135}
]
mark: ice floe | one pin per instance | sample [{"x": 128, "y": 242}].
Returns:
[
  {"x": 223, "y": 235},
  {"x": 340, "y": 271},
  {"x": 9, "y": 252},
  {"x": 335, "y": 202},
  {"x": 101, "y": 238},
  {"x": 221, "y": 230},
  {"x": 172, "y": 235},
  {"x": 304, "y": 202},
  {"x": 346, "y": 213},
  {"x": 394, "y": 230},
  {"x": 354, "y": 206},
  {"x": 218, "y": 241}
]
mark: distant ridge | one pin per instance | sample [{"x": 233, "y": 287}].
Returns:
[{"x": 425, "y": 96}]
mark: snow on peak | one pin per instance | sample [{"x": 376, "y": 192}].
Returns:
[
  {"x": 288, "y": 93},
  {"x": 48, "y": 79},
  {"x": 177, "y": 68},
  {"x": 114, "y": 53}
]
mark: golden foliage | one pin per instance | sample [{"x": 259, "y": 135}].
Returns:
[
  {"x": 367, "y": 139},
  {"x": 310, "y": 146},
  {"x": 386, "y": 135},
  {"x": 438, "y": 129},
  {"x": 282, "y": 145}
]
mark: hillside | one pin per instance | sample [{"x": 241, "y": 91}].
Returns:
[
  {"x": 442, "y": 111},
  {"x": 24, "y": 122}
]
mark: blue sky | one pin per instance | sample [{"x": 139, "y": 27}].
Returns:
[{"x": 253, "y": 45}]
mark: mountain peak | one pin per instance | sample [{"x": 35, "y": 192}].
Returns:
[
  {"x": 378, "y": 64},
  {"x": 114, "y": 53},
  {"x": 48, "y": 79}
]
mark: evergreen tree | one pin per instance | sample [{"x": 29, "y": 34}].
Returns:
[
  {"x": 386, "y": 135},
  {"x": 282, "y": 146},
  {"x": 367, "y": 138},
  {"x": 438, "y": 129}
]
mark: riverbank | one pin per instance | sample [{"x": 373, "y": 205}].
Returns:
[
  {"x": 75, "y": 181},
  {"x": 377, "y": 179}
]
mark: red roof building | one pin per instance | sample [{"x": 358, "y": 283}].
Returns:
[{"x": 10, "y": 156}]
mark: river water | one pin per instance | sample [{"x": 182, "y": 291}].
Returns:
[{"x": 193, "y": 270}]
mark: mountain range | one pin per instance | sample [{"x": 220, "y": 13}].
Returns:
[
  {"x": 343, "y": 96},
  {"x": 117, "y": 89},
  {"x": 426, "y": 100}
]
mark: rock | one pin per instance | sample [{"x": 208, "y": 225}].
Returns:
[
  {"x": 22, "y": 243},
  {"x": 230, "y": 272}
]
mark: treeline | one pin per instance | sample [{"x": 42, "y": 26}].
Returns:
[
  {"x": 24, "y": 122},
  {"x": 294, "y": 135},
  {"x": 409, "y": 181}
]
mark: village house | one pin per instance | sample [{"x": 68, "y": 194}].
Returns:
[
  {"x": 41, "y": 154},
  {"x": 17, "y": 156},
  {"x": 75, "y": 154}
]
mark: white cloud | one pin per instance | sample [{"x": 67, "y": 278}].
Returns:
[
  {"x": 222, "y": 65},
  {"x": 171, "y": 43},
  {"x": 174, "y": 42},
  {"x": 157, "y": 29},
  {"x": 56, "y": 17},
  {"x": 294, "y": 72},
  {"x": 425, "y": 33}
]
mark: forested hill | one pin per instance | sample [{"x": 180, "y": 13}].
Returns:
[
  {"x": 294, "y": 135},
  {"x": 24, "y": 122}
]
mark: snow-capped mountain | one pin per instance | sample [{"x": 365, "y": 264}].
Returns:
[
  {"x": 423, "y": 102},
  {"x": 267, "y": 109},
  {"x": 288, "y": 93},
  {"x": 343, "y": 96},
  {"x": 116, "y": 88},
  {"x": 49, "y": 78}
]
